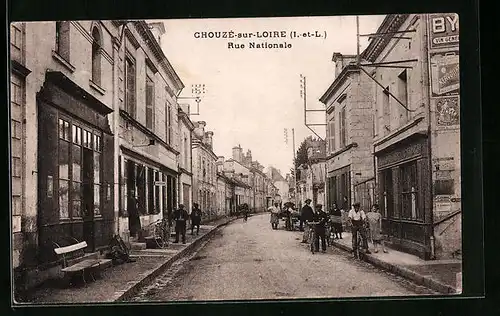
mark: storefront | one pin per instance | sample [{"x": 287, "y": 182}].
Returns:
[
  {"x": 404, "y": 194},
  {"x": 339, "y": 187},
  {"x": 153, "y": 186},
  {"x": 75, "y": 168}
]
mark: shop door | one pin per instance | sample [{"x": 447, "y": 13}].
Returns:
[
  {"x": 88, "y": 198},
  {"x": 185, "y": 195}
]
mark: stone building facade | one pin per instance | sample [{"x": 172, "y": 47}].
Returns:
[
  {"x": 204, "y": 170},
  {"x": 350, "y": 164},
  {"x": 93, "y": 121},
  {"x": 186, "y": 128},
  {"x": 417, "y": 149},
  {"x": 148, "y": 131},
  {"x": 62, "y": 140}
]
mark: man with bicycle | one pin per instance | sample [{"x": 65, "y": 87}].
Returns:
[
  {"x": 357, "y": 218},
  {"x": 306, "y": 215}
]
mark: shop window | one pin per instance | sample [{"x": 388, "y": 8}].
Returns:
[
  {"x": 150, "y": 89},
  {"x": 409, "y": 191},
  {"x": 164, "y": 193},
  {"x": 130, "y": 87},
  {"x": 63, "y": 168},
  {"x": 96, "y": 56},
  {"x": 77, "y": 180},
  {"x": 63, "y": 39},
  {"x": 151, "y": 190},
  {"x": 97, "y": 183},
  {"x": 387, "y": 193},
  {"x": 141, "y": 188},
  {"x": 157, "y": 193}
]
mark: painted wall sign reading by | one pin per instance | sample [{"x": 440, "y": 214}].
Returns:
[
  {"x": 447, "y": 111},
  {"x": 445, "y": 73},
  {"x": 444, "y": 30}
]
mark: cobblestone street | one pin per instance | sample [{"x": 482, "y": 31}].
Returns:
[{"x": 252, "y": 261}]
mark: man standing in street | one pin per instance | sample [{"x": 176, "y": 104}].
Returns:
[
  {"x": 180, "y": 216},
  {"x": 322, "y": 218},
  {"x": 306, "y": 215},
  {"x": 357, "y": 217},
  {"x": 195, "y": 219}
]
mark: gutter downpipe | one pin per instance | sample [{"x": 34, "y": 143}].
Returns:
[
  {"x": 116, "y": 117},
  {"x": 429, "y": 135}
]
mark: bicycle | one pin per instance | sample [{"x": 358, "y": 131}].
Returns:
[
  {"x": 359, "y": 242},
  {"x": 161, "y": 233}
]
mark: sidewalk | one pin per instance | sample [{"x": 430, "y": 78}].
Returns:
[
  {"x": 122, "y": 281},
  {"x": 438, "y": 275}
]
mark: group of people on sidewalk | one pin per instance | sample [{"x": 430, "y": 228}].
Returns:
[
  {"x": 331, "y": 225},
  {"x": 179, "y": 217}
]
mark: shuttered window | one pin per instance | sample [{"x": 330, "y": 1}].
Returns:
[
  {"x": 343, "y": 128},
  {"x": 62, "y": 39},
  {"x": 331, "y": 134},
  {"x": 150, "y": 89},
  {"x": 96, "y": 56},
  {"x": 130, "y": 91}
]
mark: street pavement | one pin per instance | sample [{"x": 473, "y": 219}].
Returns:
[{"x": 249, "y": 260}]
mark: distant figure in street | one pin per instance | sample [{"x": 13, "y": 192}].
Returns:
[
  {"x": 133, "y": 214},
  {"x": 274, "y": 215},
  {"x": 321, "y": 218},
  {"x": 195, "y": 218},
  {"x": 306, "y": 215},
  {"x": 180, "y": 216},
  {"x": 375, "y": 228},
  {"x": 245, "y": 212},
  {"x": 357, "y": 218},
  {"x": 336, "y": 221}
]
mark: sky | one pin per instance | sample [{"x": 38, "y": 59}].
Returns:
[{"x": 252, "y": 95}]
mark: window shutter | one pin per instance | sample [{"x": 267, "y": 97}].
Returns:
[
  {"x": 130, "y": 97},
  {"x": 149, "y": 104},
  {"x": 63, "y": 48}
]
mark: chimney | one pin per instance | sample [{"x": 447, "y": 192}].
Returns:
[
  {"x": 248, "y": 158},
  {"x": 158, "y": 29},
  {"x": 208, "y": 139},
  {"x": 341, "y": 61},
  {"x": 238, "y": 153},
  {"x": 199, "y": 130},
  {"x": 220, "y": 164}
]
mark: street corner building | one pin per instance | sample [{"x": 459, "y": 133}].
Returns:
[
  {"x": 393, "y": 132},
  {"x": 94, "y": 118},
  {"x": 204, "y": 169},
  {"x": 311, "y": 175}
]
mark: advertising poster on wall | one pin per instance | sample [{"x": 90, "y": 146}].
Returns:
[
  {"x": 447, "y": 111},
  {"x": 444, "y": 31},
  {"x": 445, "y": 73}
]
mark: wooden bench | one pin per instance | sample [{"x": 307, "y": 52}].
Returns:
[{"x": 89, "y": 266}]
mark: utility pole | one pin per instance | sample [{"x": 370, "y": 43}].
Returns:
[
  {"x": 357, "y": 41},
  {"x": 295, "y": 169}
]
